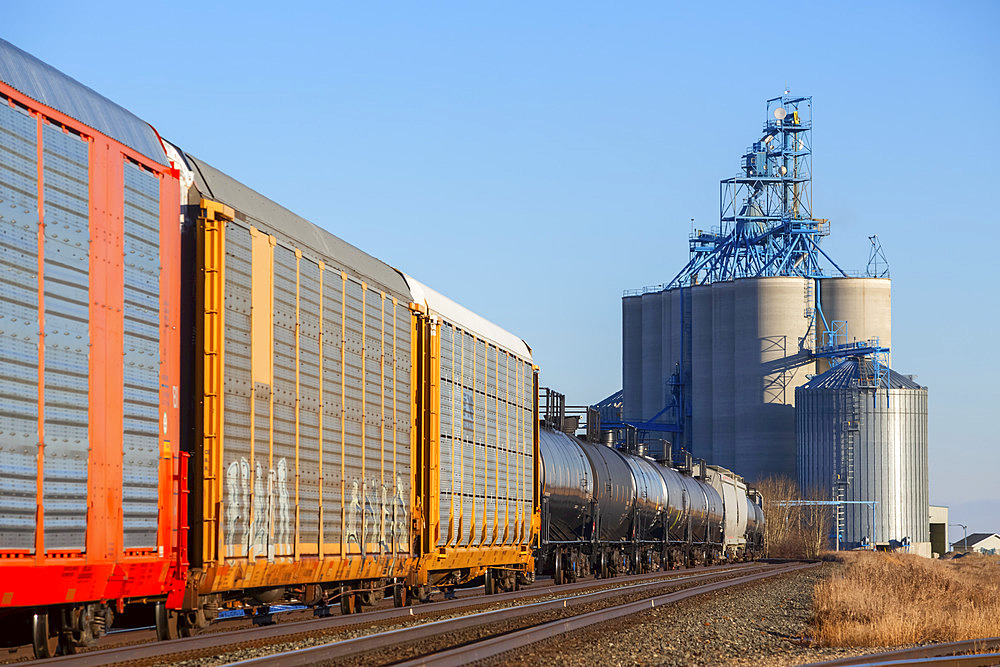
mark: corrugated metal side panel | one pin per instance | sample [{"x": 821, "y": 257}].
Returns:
[
  {"x": 44, "y": 83},
  {"x": 67, "y": 338},
  {"x": 377, "y": 395},
  {"x": 328, "y": 398},
  {"x": 374, "y": 405},
  {"x": 354, "y": 472},
  {"x": 310, "y": 400},
  {"x": 485, "y": 443},
  {"x": 889, "y": 449},
  {"x": 238, "y": 390},
  {"x": 286, "y": 395},
  {"x": 450, "y": 487},
  {"x": 332, "y": 409},
  {"x": 401, "y": 425},
  {"x": 19, "y": 327},
  {"x": 141, "y": 357}
]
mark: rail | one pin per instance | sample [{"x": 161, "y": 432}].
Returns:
[
  {"x": 279, "y": 632},
  {"x": 494, "y": 646},
  {"x": 983, "y": 652}
]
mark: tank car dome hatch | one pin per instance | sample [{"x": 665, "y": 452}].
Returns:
[{"x": 867, "y": 447}]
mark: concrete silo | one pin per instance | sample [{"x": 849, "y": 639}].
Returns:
[
  {"x": 724, "y": 370},
  {"x": 701, "y": 367},
  {"x": 867, "y": 446},
  {"x": 772, "y": 323},
  {"x": 864, "y": 304},
  {"x": 632, "y": 359}
]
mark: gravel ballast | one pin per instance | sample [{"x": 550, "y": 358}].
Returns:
[{"x": 761, "y": 623}]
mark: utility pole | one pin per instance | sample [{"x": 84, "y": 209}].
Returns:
[{"x": 965, "y": 534}]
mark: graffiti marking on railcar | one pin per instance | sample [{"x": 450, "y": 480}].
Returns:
[
  {"x": 233, "y": 505},
  {"x": 371, "y": 501},
  {"x": 352, "y": 515},
  {"x": 401, "y": 528},
  {"x": 245, "y": 506},
  {"x": 255, "y": 533},
  {"x": 284, "y": 528}
]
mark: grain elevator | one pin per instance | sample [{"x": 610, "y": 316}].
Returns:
[{"x": 715, "y": 360}]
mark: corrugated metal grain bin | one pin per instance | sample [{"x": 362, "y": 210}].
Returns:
[
  {"x": 305, "y": 424},
  {"x": 89, "y": 296},
  {"x": 856, "y": 447},
  {"x": 476, "y": 405}
]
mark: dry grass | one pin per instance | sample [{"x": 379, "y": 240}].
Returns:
[
  {"x": 884, "y": 599},
  {"x": 793, "y": 531}
]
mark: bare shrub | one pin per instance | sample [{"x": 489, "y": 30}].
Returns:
[
  {"x": 892, "y": 599},
  {"x": 793, "y": 531}
]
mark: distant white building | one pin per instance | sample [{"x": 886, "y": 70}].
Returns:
[{"x": 983, "y": 543}]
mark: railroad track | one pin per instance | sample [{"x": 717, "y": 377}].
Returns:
[
  {"x": 969, "y": 653},
  {"x": 395, "y": 642},
  {"x": 217, "y": 643}
]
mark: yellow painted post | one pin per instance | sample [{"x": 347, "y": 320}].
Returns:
[
  {"x": 453, "y": 533},
  {"x": 459, "y": 407},
  {"x": 434, "y": 440},
  {"x": 475, "y": 462},
  {"x": 496, "y": 448},
  {"x": 209, "y": 369}
]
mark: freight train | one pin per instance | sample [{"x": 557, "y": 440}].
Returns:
[
  {"x": 607, "y": 511},
  {"x": 208, "y": 401}
]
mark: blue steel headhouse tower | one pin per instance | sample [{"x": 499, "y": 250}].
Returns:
[{"x": 766, "y": 223}]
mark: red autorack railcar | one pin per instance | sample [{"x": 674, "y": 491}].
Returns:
[{"x": 90, "y": 467}]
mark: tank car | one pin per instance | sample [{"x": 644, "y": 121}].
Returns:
[
  {"x": 609, "y": 512},
  {"x": 744, "y": 517}
]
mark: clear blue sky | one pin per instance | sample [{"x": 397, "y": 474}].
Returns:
[{"x": 532, "y": 160}]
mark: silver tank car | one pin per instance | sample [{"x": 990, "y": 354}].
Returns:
[
  {"x": 568, "y": 483},
  {"x": 650, "y": 501},
  {"x": 614, "y": 491},
  {"x": 610, "y": 512}
]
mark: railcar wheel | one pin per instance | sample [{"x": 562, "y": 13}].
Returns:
[
  {"x": 557, "y": 574},
  {"x": 44, "y": 641},
  {"x": 602, "y": 565},
  {"x": 348, "y": 600},
  {"x": 489, "y": 582},
  {"x": 166, "y": 623},
  {"x": 400, "y": 595}
]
